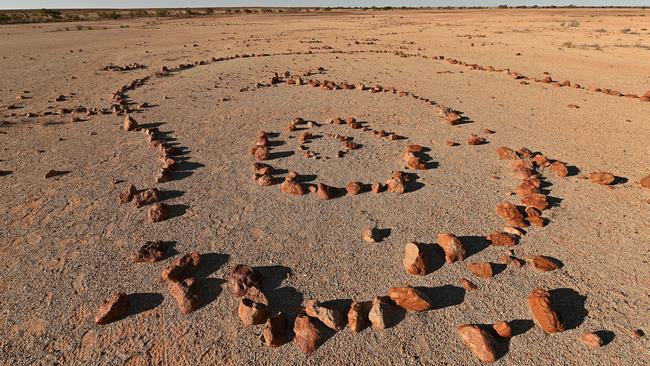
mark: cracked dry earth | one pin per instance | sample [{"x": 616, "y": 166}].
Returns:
[{"x": 67, "y": 243}]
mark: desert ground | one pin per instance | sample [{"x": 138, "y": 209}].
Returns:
[{"x": 196, "y": 93}]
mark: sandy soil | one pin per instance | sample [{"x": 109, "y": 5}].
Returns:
[{"x": 66, "y": 242}]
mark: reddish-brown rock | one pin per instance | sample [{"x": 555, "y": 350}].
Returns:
[
  {"x": 452, "y": 246},
  {"x": 263, "y": 180},
  {"x": 502, "y": 239},
  {"x": 475, "y": 140},
  {"x": 307, "y": 336},
  {"x": 241, "y": 278},
  {"x": 251, "y": 312},
  {"x": 506, "y": 153},
  {"x": 467, "y": 284},
  {"x": 112, "y": 309},
  {"x": 130, "y": 123},
  {"x": 262, "y": 153},
  {"x": 182, "y": 267},
  {"x": 274, "y": 333},
  {"x": 383, "y": 313},
  {"x": 416, "y": 163},
  {"x": 559, "y": 169},
  {"x": 481, "y": 269},
  {"x": 325, "y": 192},
  {"x": 395, "y": 185},
  {"x": 292, "y": 186},
  {"x": 479, "y": 342},
  {"x": 510, "y": 213},
  {"x": 536, "y": 200},
  {"x": 157, "y": 212},
  {"x": 541, "y": 306},
  {"x": 354, "y": 188},
  {"x": 376, "y": 187},
  {"x": 603, "y": 178},
  {"x": 414, "y": 260},
  {"x": 150, "y": 252},
  {"x": 332, "y": 318},
  {"x": 503, "y": 329},
  {"x": 358, "y": 315},
  {"x": 590, "y": 339},
  {"x": 410, "y": 298},
  {"x": 542, "y": 263},
  {"x": 146, "y": 197},
  {"x": 645, "y": 182},
  {"x": 128, "y": 193},
  {"x": 187, "y": 294},
  {"x": 370, "y": 235},
  {"x": 540, "y": 160}
]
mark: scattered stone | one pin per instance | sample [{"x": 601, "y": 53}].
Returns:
[
  {"x": 451, "y": 143},
  {"x": 157, "y": 212},
  {"x": 395, "y": 185},
  {"x": 536, "y": 200},
  {"x": 376, "y": 187},
  {"x": 645, "y": 182},
  {"x": 487, "y": 131},
  {"x": 332, "y": 318},
  {"x": 370, "y": 235},
  {"x": 150, "y": 252},
  {"x": 540, "y": 160},
  {"x": 475, "y": 140},
  {"x": 262, "y": 153},
  {"x": 187, "y": 294},
  {"x": 481, "y": 269},
  {"x": 182, "y": 267},
  {"x": 591, "y": 339},
  {"x": 503, "y": 329},
  {"x": 127, "y": 194},
  {"x": 354, "y": 188},
  {"x": 325, "y": 192},
  {"x": 130, "y": 123},
  {"x": 410, "y": 298},
  {"x": 603, "y": 178},
  {"x": 467, "y": 284},
  {"x": 358, "y": 315},
  {"x": 274, "y": 333},
  {"x": 542, "y": 263},
  {"x": 506, "y": 153},
  {"x": 306, "y": 335},
  {"x": 251, "y": 313},
  {"x": 479, "y": 342},
  {"x": 511, "y": 214},
  {"x": 452, "y": 246},
  {"x": 292, "y": 186},
  {"x": 414, "y": 260},
  {"x": 502, "y": 239},
  {"x": 383, "y": 314},
  {"x": 541, "y": 306},
  {"x": 263, "y": 180},
  {"x": 148, "y": 196},
  {"x": 241, "y": 279},
  {"x": 112, "y": 309}
]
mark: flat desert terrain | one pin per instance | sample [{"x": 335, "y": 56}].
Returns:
[{"x": 524, "y": 133}]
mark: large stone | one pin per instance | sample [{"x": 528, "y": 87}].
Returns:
[
  {"x": 112, "y": 309},
  {"x": 481, "y": 269},
  {"x": 541, "y": 306},
  {"x": 410, "y": 298},
  {"x": 251, "y": 312},
  {"x": 603, "y": 178},
  {"x": 306, "y": 334},
  {"x": 536, "y": 200},
  {"x": 479, "y": 342},
  {"x": 358, "y": 315},
  {"x": 150, "y": 251},
  {"x": 502, "y": 239},
  {"x": 452, "y": 246},
  {"x": 414, "y": 261},
  {"x": 274, "y": 333},
  {"x": 187, "y": 294},
  {"x": 383, "y": 314},
  {"x": 241, "y": 278},
  {"x": 182, "y": 267},
  {"x": 542, "y": 263},
  {"x": 332, "y": 318}
]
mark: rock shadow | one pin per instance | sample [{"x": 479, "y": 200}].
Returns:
[{"x": 570, "y": 305}]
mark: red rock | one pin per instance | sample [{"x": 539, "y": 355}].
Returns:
[
  {"x": 150, "y": 252},
  {"x": 523, "y": 173},
  {"x": 157, "y": 212},
  {"x": 506, "y": 153},
  {"x": 475, "y": 140},
  {"x": 395, "y": 185},
  {"x": 146, "y": 197},
  {"x": 251, "y": 313},
  {"x": 574, "y": 106},
  {"x": 413, "y": 148},
  {"x": 410, "y": 298},
  {"x": 325, "y": 192},
  {"x": 130, "y": 123},
  {"x": 376, "y": 187},
  {"x": 547, "y": 80},
  {"x": 502, "y": 329},
  {"x": 479, "y": 342},
  {"x": 383, "y": 313},
  {"x": 559, "y": 168},
  {"x": 416, "y": 163},
  {"x": 536, "y": 200},
  {"x": 453, "y": 118},
  {"x": 541, "y": 306},
  {"x": 358, "y": 315},
  {"x": 452, "y": 246},
  {"x": 542, "y": 263},
  {"x": 187, "y": 294},
  {"x": 467, "y": 284},
  {"x": 182, "y": 267},
  {"x": 262, "y": 153},
  {"x": 645, "y": 182},
  {"x": 306, "y": 335},
  {"x": 332, "y": 318},
  {"x": 354, "y": 188},
  {"x": 603, "y": 178},
  {"x": 526, "y": 187},
  {"x": 370, "y": 235},
  {"x": 487, "y": 131},
  {"x": 509, "y": 212},
  {"x": 540, "y": 160},
  {"x": 274, "y": 333},
  {"x": 525, "y": 152},
  {"x": 292, "y": 186},
  {"x": 414, "y": 261},
  {"x": 242, "y": 278},
  {"x": 591, "y": 340},
  {"x": 304, "y": 137},
  {"x": 112, "y": 309},
  {"x": 502, "y": 239},
  {"x": 127, "y": 194},
  {"x": 481, "y": 269},
  {"x": 532, "y": 212},
  {"x": 263, "y": 180}
]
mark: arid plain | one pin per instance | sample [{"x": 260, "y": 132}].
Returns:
[{"x": 552, "y": 85}]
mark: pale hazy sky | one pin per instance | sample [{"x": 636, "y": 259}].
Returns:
[{"x": 60, "y": 4}]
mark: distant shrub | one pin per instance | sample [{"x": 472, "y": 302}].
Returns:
[
  {"x": 162, "y": 13},
  {"x": 107, "y": 15}
]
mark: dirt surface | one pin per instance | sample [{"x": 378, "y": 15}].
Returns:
[{"x": 66, "y": 242}]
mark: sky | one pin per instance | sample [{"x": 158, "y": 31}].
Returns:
[{"x": 62, "y": 4}]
